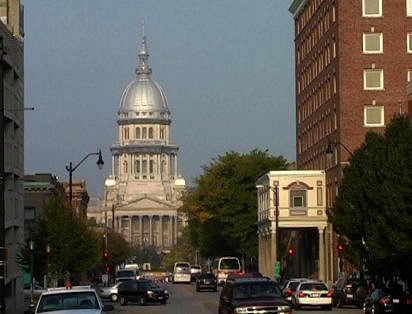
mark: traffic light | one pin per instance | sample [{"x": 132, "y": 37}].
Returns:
[
  {"x": 106, "y": 254},
  {"x": 340, "y": 249},
  {"x": 107, "y": 269},
  {"x": 291, "y": 251}
]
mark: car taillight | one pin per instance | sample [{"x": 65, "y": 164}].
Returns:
[
  {"x": 289, "y": 292},
  {"x": 384, "y": 300},
  {"x": 330, "y": 294},
  {"x": 302, "y": 294}
]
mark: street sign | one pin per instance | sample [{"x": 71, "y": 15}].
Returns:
[{"x": 278, "y": 269}]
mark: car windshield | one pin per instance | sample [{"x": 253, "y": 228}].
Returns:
[
  {"x": 149, "y": 284},
  {"x": 293, "y": 285},
  {"x": 255, "y": 290},
  {"x": 68, "y": 301}
]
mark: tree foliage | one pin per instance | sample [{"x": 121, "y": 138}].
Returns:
[
  {"x": 74, "y": 247},
  {"x": 373, "y": 211},
  {"x": 222, "y": 209}
]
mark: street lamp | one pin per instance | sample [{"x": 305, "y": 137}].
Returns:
[
  {"x": 332, "y": 145},
  {"x": 31, "y": 248},
  {"x": 48, "y": 264},
  {"x": 71, "y": 169}
]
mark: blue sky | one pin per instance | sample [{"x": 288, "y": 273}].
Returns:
[{"x": 227, "y": 67}]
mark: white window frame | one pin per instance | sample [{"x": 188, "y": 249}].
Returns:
[
  {"x": 409, "y": 75},
  {"x": 379, "y": 14},
  {"x": 408, "y": 7},
  {"x": 409, "y": 42},
  {"x": 382, "y": 115},
  {"x": 365, "y": 73},
  {"x": 370, "y": 35}
]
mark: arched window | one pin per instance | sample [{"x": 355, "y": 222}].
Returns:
[
  {"x": 150, "y": 132},
  {"x": 144, "y": 133},
  {"x": 138, "y": 133},
  {"x": 125, "y": 166}
]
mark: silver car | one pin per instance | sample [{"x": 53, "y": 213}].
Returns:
[{"x": 109, "y": 292}]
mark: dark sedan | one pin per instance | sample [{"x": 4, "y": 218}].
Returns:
[
  {"x": 252, "y": 295},
  {"x": 141, "y": 291},
  {"x": 206, "y": 281}
]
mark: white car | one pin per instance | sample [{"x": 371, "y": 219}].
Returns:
[
  {"x": 76, "y": 300},
  {"x": 109, "y": 292},
  {"x": 312, "y": 293}
]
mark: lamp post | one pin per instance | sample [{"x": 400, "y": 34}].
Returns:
[
  {"x": 31, "y": 248},
  {"x": 332, "y": 145},
  {"x": 71, "y": 169},
  {"x": 48, "y": 264}
]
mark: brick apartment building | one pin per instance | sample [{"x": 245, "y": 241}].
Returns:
[{"x": 353, "y": 60}]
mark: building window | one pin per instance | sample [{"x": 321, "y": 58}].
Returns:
[
  {"x": 137, "y": 133},
  {"x": 144, "y": 133},
  {"x": 409, "y": 7},
  {"x": 372, "y": 43},
  {"x": 298, "y": 199},
  {"x": 150, "y": 132},
  {"x": 374, "y": 116},
  {"x": 372, "y": 8},
  {"x": 373, "y": 79},
  {"x": 409, "y": 42},
  {"x": 409, "y": 75},
  {"x": 126, "y": 133}
]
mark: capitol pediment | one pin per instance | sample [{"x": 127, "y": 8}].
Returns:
[{"x": 145, "y": 203}]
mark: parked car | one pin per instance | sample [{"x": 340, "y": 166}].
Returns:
[
  {"x": 142, "y": 291},
  {"x": 261, "y": 294},
  {"x": 109, "y": 292},
  {"x": 349, "y": 291},
  {"x": 206, "y": 281},
  {"x": 312, "y": 293},
  {"x": 78, "y": 299},
  {"x": 383, "y": 300},
  {"x": 289, "y": 287},
  {"x": 195, "y": 270}
]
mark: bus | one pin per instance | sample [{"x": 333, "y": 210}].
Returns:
[
  {"x": 223, "y": 266},
  {"x": 181, "y": 272}
]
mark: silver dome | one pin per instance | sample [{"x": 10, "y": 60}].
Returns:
[{"x": 143, "y": 97}]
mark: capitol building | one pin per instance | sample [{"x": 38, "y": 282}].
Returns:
[{"x": 143, "y": 192}]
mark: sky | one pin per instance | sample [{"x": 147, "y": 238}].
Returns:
[{"x": 226, "y": 66}]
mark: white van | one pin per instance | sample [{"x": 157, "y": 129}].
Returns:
[
  {"x": 181, "y": 272},
  {"x": 223, "y": 266}
]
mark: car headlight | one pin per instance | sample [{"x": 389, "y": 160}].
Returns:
[
  {"x": 166, "y": 292},
  {"x": 284, "y": 309},
  {"x": 150, "y": 292}
]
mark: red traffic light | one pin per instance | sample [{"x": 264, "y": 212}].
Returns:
[
  {"x": 291, "y": 252},
  {"x": 107, "y": 269},
  {"x": 106, "y": 254},
  {"x": 340, "y": 248}
]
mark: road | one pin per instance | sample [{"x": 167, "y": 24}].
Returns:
[{"x": 185, "y": 300}]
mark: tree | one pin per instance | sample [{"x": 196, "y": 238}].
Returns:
[
  {"x": 74, "y": 247},
  {"x": 222, "y": 209},
  {"x": 373, "y": 211}
]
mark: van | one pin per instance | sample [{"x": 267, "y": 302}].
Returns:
[
  {"x": 223, "y": 266},
  {"x": 181, "y": 272},
  {"x": 127, "y": 274}
]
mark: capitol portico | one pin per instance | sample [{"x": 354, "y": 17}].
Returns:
[{"x": 143, "y": 192}]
